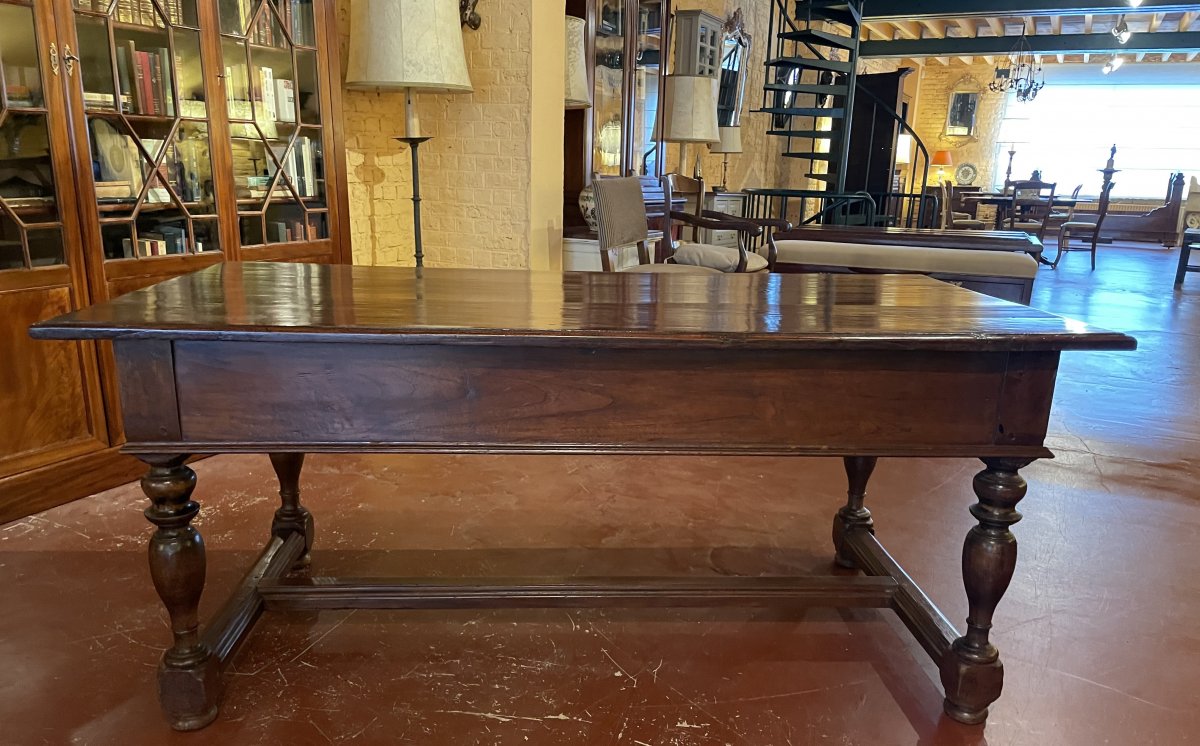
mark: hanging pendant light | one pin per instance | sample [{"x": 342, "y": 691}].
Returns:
[{"x": 1023, "y": 75}]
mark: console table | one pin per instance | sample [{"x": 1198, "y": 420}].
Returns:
[{"x": 287, "y": 359}]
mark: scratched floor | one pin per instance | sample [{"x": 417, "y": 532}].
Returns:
[{"x": 1098, "y": 632}]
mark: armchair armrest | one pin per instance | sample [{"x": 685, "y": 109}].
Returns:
[
  {"x": 776, "y": 223},
  {"x": 729, "y": 224}
]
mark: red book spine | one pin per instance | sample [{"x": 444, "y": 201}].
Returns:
[
  {"x": 144, "y": 83},
  {"x": 156, "y": 83}
]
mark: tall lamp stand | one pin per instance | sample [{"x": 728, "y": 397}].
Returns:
[
  {"x": 414, "y": 143},
  {"x": 410, "y": 46}
]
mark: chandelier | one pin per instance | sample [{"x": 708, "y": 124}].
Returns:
[{"x": 1023, "y": 73}]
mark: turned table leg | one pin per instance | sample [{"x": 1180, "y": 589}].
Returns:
[
  {"x": 292, "y": 517},
  {"x": 188, "y": 674},
  {"x": 853, "y": 515},
  {"x": 971, "y": 670}
]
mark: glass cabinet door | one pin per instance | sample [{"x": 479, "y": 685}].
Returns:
[
  {"x": 50, "y": 401},
  {"x": 647, "y": 66},
  {"x": 608, "y": 144},
  {"x": 272, "y": 85},
  {"x": 142, "y": 75},
  {"x": 31, "y": 223}
]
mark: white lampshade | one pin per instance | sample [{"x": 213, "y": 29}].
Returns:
[
  {"x": 690, "y": 109},
  {"x": 579, "y": 96},
  {"x": 731, "y": 141},
  {"x": 414, "y": 44},
  {"x": 904, "y": 149}
]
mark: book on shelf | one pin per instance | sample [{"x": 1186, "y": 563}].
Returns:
[
  {"x": 285, "y": 100},
  {"x": 298, "y": 18},
  {"x": 146, "y": 247},
  {"x": 266, "y": 93},
  {"x": 143, "y": 12},
  {"x": 145, "y": 80},
  {"x": 115, "y": 190}
]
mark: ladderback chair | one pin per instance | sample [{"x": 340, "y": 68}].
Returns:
[
  {"x": 1030, "y": 206},
  {"x": 1085, "y": 231},
  {"x": 694, "y": 252},
  {"x": 952, "y": 220},
  {"x": 1057, "y": 217},
  {"x": 622, "y": 221}
]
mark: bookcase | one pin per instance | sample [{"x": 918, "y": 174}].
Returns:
[{"x": 139, "y": 140}]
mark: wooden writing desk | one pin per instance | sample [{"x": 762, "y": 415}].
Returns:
[{"x": 286, "y": 359}]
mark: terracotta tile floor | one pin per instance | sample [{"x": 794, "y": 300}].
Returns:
[{"x": 1098, "y": 631}]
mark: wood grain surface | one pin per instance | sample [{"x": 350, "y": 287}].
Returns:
[{"x": 283, "y": 302}]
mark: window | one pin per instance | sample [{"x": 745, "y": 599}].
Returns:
[{"x": 1151, "y": 113}]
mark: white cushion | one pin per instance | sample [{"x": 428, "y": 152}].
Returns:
[
  {"x": 720, "y": 258},
  {"x": 981, "y": 263},
  {"x": 1079, "y": 224},
  {"x": 670, "y": 268},
  {"x": 967, "y": 223}
]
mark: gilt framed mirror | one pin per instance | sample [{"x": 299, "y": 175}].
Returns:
[{"x": 963, "y": 110}]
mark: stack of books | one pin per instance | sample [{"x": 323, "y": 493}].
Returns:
[{"x": 146, "y": 77}]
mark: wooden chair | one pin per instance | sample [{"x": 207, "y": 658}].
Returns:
[
  {"x": 1056, "y": 218},
  {"x": 952, "y": 220},
  {"x": 622, "y": 221},
  {"x": 1085, "y": 231},
  {"x": 1030, "y": 207},
  {"x": 700, "y": 254}
]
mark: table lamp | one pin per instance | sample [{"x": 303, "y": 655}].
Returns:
[
  {"x": 690, "y": 113},
  {"x": 942, "y": 159},
  {"x": 731, "y": 142},
  {"x": 410, "y": 46},
  {"x": 579, "y": 94}
]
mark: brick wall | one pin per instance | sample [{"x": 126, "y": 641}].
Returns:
[{"x": 474, "y": 173}]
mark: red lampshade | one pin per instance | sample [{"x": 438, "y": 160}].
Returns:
[{"x": 942, "y": 158}]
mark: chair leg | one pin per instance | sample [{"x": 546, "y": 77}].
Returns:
[
  {"x": 1095, "y": 240},
  {"x": 1063, "y": 238}
]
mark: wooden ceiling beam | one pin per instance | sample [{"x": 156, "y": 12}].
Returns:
[
  {"x": 936, "y": 28},
  {"x": 1166, "y": 41},
  {"x": 907, "y": 29},
  {"x": 890, "y": 10}
]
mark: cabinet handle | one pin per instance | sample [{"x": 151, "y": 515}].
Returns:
[
  {"x": 70, "y": 58},
  {"x": 54, "y": 58}
]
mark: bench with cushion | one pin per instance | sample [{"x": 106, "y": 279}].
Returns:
[{"x": 1001, "y": 274}]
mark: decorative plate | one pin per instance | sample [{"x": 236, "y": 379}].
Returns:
[
  {"x": 1193, "y": 220},
  {"x": 966, "y": 174}
]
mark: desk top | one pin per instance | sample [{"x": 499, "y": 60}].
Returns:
[{"x": 311, "y": 302}]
